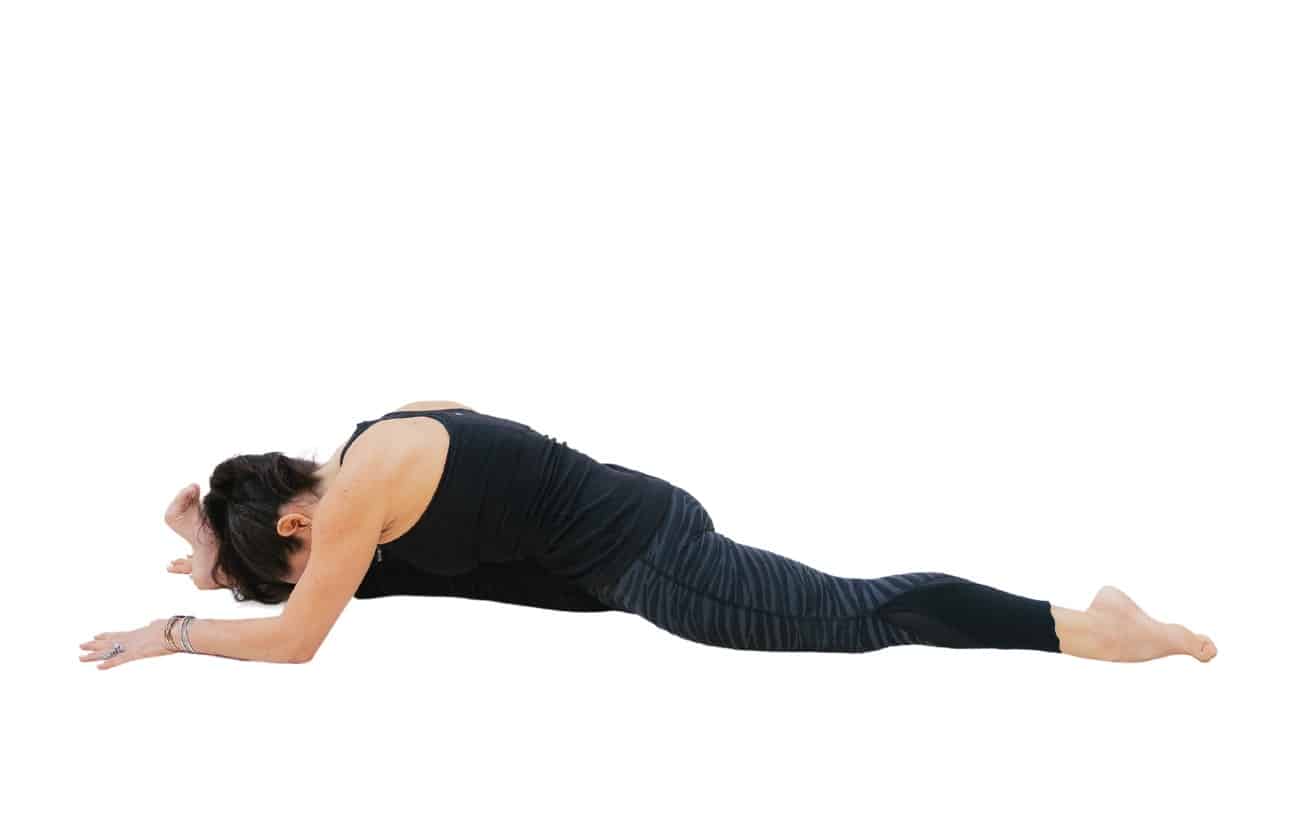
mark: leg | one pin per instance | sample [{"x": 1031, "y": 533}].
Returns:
[{"x": 700, "y": 585}]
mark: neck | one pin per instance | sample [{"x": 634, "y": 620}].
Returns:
[{"x": 326, "y": 475}]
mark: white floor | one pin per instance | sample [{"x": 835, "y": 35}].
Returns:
[{"x": 1000, "y": 290}]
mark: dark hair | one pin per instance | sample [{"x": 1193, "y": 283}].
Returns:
[{"x": 242, "y": 508}]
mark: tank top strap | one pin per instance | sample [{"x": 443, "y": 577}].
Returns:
[
  {"x": 364, "y": 424},
  {"x": 361, "y": 426}
]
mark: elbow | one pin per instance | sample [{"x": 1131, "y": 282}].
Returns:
[
  {"x": 293, "y": 643},
  {"x": 300, "y": 652},
  {"x": 301, "y": 655}
]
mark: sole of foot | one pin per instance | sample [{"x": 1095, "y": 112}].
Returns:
[{"x": 1132, "y": 635}]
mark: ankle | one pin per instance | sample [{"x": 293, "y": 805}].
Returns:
[{"x": 1088, "y": 634}]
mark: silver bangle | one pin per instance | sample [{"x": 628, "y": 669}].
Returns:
[{"x": 185, "y": 634}]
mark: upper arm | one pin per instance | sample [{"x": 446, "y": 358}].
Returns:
[{"x": 346, "y": 529}]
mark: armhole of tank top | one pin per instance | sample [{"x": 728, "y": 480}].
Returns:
[{"x": 362, "y": 426}]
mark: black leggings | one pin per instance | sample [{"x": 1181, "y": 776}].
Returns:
[{"x": 699, "y": 585}]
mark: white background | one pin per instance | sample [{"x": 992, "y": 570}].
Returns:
[{"x": 1002, "y": 290}]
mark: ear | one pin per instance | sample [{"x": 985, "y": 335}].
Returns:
[{"x": 291, "y": 523}]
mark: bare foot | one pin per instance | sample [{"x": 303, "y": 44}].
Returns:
[{"x": 1129, "y": 634}]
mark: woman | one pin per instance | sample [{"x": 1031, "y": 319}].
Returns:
[{"x": 438, "y": 499}]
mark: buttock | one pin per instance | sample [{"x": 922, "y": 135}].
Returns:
[{"x": 684, "y": 523}]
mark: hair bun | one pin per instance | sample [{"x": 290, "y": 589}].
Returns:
[{"x": 242, "y": 507}]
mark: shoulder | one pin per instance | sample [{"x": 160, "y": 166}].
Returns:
[
  {"x": 375, "y": 453},
  {"x": 430, "y": 405},
  {"x": 392, "y": 448},
  {"x": 395, "y": 438}
]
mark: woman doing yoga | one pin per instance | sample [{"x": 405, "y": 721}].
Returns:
[{"x": 438, "y": 499}]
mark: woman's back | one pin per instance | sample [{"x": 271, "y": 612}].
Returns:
[{"x": 505, "y": 492}]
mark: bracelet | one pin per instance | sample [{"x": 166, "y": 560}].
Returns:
[
  {"x": 185, "y": 634},
  {"x": 169, "y": 642}
]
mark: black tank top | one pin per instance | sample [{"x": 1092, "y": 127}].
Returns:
[{"x": 509, "y": 493}]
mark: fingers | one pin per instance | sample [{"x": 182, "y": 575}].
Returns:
[
  {"x": 98, "y": 649},
  {"x": 184, "y": 564},
  {"x": 181, "y": 505},
  {"x": 120, "y": 658},
  {"x": 184, "y": 498}
]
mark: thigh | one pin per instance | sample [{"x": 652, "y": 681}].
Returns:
[{"x": 704, "y": 586}]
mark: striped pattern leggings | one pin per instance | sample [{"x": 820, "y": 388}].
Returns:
[{"x": 700, "y": 585}]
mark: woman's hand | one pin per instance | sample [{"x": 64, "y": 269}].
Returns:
[
  {"x": 202, "y": 577},
  {"x": 199, "y": 569},
  {"x": 182, "y": 516},
  {"x": 146, "y": 642}
]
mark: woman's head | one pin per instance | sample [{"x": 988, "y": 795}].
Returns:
[{"x": 253, "y": 510}]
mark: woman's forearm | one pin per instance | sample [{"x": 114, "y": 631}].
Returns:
[{"x": 248, "y": 639}]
